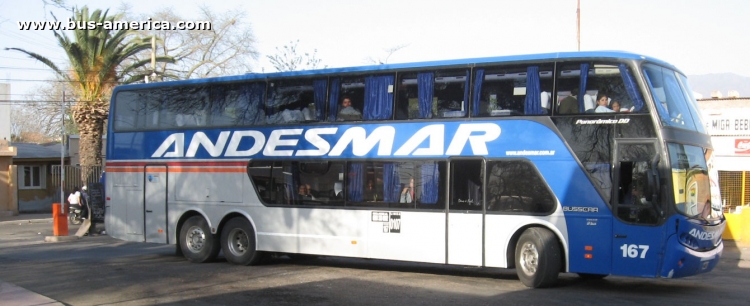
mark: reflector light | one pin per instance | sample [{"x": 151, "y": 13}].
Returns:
[
  {"x": 589, "y": 248},
  {"x": 160, "y": 231},
  {"x": 588, "y": 256},
  {"x": 354, "y": 241}
]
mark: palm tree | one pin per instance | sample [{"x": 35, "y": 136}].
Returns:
[{"x": 99, "y": 60}]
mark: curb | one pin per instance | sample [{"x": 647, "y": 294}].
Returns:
[
  {"x": 20, "y": 221},
  {"x": 61, "y": 238}
]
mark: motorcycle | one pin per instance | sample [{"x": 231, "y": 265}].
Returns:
[{"x": 75, "y": 215}]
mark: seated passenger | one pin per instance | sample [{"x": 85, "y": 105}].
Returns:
[
  {"x": 602, "y": 102},
  {"x": 347, "y": 111},
  {"x": 569, "y": 105}
]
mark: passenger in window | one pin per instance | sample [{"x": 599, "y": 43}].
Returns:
[
  {"x": 407, "y": 193},
  {"x": 303, "y": 193},
  {"x": 347, "y": 112},
  {"x": 372, "y": 193},
  {"x": 602, "y": 104},
  {"x": 569, "y": 105}
]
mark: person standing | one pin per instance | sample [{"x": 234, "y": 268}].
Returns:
[{"x": 84, "y": 200}]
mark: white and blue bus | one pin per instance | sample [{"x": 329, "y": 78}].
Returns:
[{"x": 594, "y": 163}]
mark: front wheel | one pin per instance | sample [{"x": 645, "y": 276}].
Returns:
[
  {"x": 538, "y": 258},
  {"x": 74, "y": 219},
  {"x": 196, "y": 241},
  {"x": 238, "y": 242}
]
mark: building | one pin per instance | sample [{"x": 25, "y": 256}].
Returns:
[
  {"x": 37, "y": 183},
  {"x": 728, "y": 122}
]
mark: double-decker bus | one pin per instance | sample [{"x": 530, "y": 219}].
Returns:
[{"x": 522, "y": 162}]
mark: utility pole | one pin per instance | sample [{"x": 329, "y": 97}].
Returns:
[
  {"x": 62, "y": 154},
  {"x": 153, "y": 58},
  {"x": 578, "y": 22}
]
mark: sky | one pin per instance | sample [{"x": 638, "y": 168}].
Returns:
[{"x": 698, "y": 36}]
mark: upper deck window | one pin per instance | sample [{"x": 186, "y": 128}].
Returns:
[
  {"x": 290, "y": 101},
  {"x": 673, "y": 98},
  {"x": 519, "y": 90},
  {"x": 439, "y": 94},
  {"x": 597, "y": 88},
  {"x": 367, "y": 98}
]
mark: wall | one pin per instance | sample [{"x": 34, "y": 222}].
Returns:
[
  {"x": 8, "y": 203},
  {"x": 738, "y": 227},
  {"x": 38, "y": 200}
]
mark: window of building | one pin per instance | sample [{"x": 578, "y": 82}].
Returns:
[{"x": 31, "y": 177}]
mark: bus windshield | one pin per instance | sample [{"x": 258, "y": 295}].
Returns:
[
  {"x": 673, "y": 98},
  {"x": 692, "y": 186}
]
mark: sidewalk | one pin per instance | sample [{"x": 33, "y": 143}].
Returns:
[
  {"x": 14, "y": 295},
  {"x": 27, "y": 218}
]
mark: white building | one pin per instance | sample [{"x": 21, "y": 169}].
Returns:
[
  {"x": 5, "y": 111},
  {"x": 728, "y": 122}
]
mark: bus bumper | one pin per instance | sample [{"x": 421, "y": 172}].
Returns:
[{"x": 681, "y": 261}]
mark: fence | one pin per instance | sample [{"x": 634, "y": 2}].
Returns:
[
  {"x": 73, "y": 176},
  {"x": 735, "y": 189}
]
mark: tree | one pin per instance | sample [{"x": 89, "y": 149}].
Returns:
[
  {"x": 228, "y": 48},
  {"x": 38, "y": 118},
  {"x": 94, "y": 56},
  {"x": 388, "y": 51},
  {"x": 287, "y": 58}
]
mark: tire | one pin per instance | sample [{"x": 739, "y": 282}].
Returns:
[
  {"x": 74, "y": 219},
  {"x": 238, "y": 242},
  {"x": 196, "y": 241},
  {"x": 538, "y": 258},
  {"x": 592, "y": 276}
]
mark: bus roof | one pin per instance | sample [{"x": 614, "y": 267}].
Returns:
[{"x": 411, "y": 65}]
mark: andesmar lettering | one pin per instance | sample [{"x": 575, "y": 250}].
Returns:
[{"x": 427, "y": 141}]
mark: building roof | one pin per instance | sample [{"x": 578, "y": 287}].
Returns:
[{"x": 37, "y": 151}]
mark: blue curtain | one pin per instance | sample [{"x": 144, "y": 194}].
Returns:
[
  {"x": 477, "y": 92},
  {"x": 426, "y": 85},
  {"x": 430, "y": 183},
  {"x": 627, "y": 79},
  {"x": 319, "y": 87},
  {"x": 356, "y": 181},
  {"x": 582, "y": 89},
  {"x": 378, "y": 101},
  {"x": 333, "y": 99},
  {"x": 533, "y": 92},
  {"x": 391, "y": 183},
  {"x": 659, "y": 107}
]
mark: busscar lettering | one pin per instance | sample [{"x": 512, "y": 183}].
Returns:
[{"x": 429, "y": 140}]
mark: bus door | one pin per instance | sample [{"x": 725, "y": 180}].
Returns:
[
  {"x": 638, "y": 242},
  {"x": 155, "y": 208},
  {"x": 466, "y": 212}
]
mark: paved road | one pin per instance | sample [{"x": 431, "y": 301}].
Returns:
[{"x": 98, "y": 270}]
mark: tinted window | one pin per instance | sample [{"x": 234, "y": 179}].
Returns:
[
  {"x": 516, "y": 186},
  {"x": 291, "y": 101},
  {"x": 672, "y": 101}
]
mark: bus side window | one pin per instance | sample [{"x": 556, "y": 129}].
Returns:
[{"x": 516, "y": 186}]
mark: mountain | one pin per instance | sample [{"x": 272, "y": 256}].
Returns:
[{"x": 723, "y": 82}]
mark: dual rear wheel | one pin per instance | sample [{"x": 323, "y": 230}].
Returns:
[{"x": 237, "y": 240}]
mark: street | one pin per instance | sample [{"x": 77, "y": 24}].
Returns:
[{"x": 99, "y": 270}]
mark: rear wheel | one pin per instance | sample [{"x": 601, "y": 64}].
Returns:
[
  {"x": 537, "y": 258},
  {"x": 196, "y": 241},
  {"x": 238, "y": 242}
]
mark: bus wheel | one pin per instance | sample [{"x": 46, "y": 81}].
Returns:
[
  {"x": 537, "y": 258},
  {"x": 196, "y": 241},
  {"x": 238, "y": 242}
]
